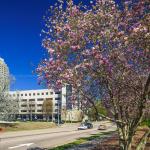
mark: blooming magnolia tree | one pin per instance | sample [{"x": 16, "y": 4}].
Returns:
[{"x": 103, "y": 49}]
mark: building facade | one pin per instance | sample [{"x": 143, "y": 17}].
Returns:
[
  {"x": 31, "y": 103},
  {"x": 4, "y": 75}
]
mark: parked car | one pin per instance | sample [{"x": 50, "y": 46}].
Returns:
[
  {"x": 82, "y": 127},
  {"x": 89, "y": 125},
  {"x": 102, "y": 127},
  {"x": 86, "y": 125}
]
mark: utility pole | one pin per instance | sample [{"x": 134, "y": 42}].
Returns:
[{"x": 58, "y": 113}]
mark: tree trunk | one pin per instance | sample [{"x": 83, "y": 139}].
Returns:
[
  {"x": 125, "y": 144},
  {"x": 96, "y": 112},
  {"x": 125, "y": 138}
]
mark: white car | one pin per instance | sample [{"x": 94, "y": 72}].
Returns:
[
  {"x": 82, "y": 127},
  {"x": 85, "y": 125}
]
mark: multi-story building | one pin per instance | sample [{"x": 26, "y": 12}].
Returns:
[
  {"x": 31, "y": 102},
  {"x": 4, "y": 75}
]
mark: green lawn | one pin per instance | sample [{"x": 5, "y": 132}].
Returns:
[
  {"x": 146, "y": 122},
  {"x": 19, "y": 126}
]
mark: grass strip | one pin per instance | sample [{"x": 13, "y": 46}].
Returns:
[
  {"x": 146, "y": 122},
  {"x": 22, "y": 126},
  {"x": 81, "y": 141}
]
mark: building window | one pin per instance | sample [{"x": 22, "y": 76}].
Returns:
[
  {"x": 58, "y": 92},
  {"x": 24, "y": 100},
  {"x": 51, "y": 93},
  {"x": 23, "y": 110},
  {"x": 23, "y": 105},
  {"x": 25, "y": 94},
  {"x": 57, "y": 98},
  {"x": 31, "y": 105},
  {"x": 21, "y": 94},
  {"x": 29, "y": 94},
  {"x": 56, "y": 104},
  {"x": 39, "y": 104},
  {"x": 33, "y": 94},
  {"x": 42, "y": 93},
  {"x": 18, "y": 95},
  {"x": 46, "y": 93},
  {"x": 56, "y": 110},
  {"x": 38, "y": 93},
  {"x": 40, "y": 99},
  {"x": 39, "y": 110},
  {"x": 31, "y": 99},
  {"x": 14, "y": 95},
  {"x": 31, "y": 110}
]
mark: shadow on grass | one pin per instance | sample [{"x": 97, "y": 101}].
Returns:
[{"x": 82, "y": 140}]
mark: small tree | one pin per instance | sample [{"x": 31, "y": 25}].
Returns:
[
  {"x": 8, "y": 106},
  {"x": 48, "y": 108}
]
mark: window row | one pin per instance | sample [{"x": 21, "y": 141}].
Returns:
[
  {"x": 40, "y": 99},
  {"x": 39, "y": 110},
  {"x": 33, "y": 105},
  {"x": 32, "y": 94}
]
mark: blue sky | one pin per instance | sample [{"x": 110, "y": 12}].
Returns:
[{"x": 20, "y": 42}]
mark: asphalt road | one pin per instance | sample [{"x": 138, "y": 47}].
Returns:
[{"x": 46, "y": 138}]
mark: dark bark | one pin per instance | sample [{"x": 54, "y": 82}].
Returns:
[
  {"x": 147, "y": 88},
  {"x": 93, "y": 105}
]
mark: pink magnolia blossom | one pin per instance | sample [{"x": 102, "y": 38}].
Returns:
[
  {"x": 75, "y": 47},
  {"x": 104, "y": 50},
  {"x": 51, "y": 51}
]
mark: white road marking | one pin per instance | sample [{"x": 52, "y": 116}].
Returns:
[{"x": 21, "y": 145}]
